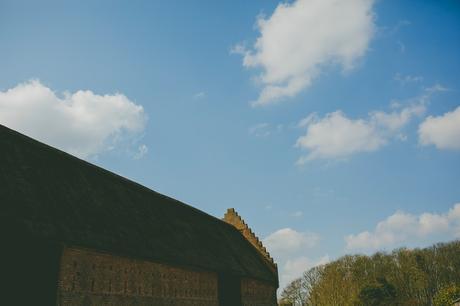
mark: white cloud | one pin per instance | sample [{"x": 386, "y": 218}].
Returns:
[
  {"x": 82, "y": 123},
  {"x": 302, "y": 37},
  {"x": 287, "y": 240},
  {"x": 335, "y": 136},
  {"x": 395, "y": 120},
  {"x": 441, "y": 131},
  {"x": 288, "y": 247},
  {"x": 404, "y": 228}
]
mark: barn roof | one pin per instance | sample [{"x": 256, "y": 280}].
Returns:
[{"x": 59, "y": 197}]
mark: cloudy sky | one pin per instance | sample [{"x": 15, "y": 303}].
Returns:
[{"x": 332, "y": 127}]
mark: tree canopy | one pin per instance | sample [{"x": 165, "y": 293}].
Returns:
[{"x": 429, "y": 276}]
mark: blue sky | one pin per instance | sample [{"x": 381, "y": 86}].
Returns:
[{"x": 178, "y": 96}]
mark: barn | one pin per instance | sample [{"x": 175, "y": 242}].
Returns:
[{"x": 75, "y": 234}]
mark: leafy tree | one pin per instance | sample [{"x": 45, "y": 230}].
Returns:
[
  {"x": 379, "y": 293},
  {"x": 447, "y": 295},
  {"x": 429, "y": 276}
]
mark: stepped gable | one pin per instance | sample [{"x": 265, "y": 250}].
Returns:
[{"x": 233, "y": 218}]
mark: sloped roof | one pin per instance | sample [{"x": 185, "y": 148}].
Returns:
[{"x": 56, "y": 196}]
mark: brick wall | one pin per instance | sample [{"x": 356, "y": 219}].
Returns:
[
  {"x": 91, "y": 278},
  {"x": 256, "y": 293}
]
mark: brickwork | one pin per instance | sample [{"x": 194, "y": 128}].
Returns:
[
  {"x": 232, "y": 217},
  {"x": 256, "y": 293},
  {"x": 92, "y": 278}
]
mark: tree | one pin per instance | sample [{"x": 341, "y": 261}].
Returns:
[
  {"x": 402, "y": 277},
  {"x": 310, "y": 280},
  {"x": 447, "y": 295},
  {"x": 379, "y": 293},
  {"x": 293, "y": 294}
]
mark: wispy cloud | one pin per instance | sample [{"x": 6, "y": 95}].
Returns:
[
  {"x": 398, "y": 26},
  {"x": 265, "y": 129},
  {"x": 260, "y": 130},
  {"x": 142, "y": 150},
  {"x": 407, "y": 79},
  {"x": 297, "y": 214},
  {"x": 402, "y": 46},
  {"x": 200, "y": 95}
]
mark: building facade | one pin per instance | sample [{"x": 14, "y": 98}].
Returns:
[{"x": 76, "y": 234}]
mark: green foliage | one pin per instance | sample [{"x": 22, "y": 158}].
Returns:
[
  {"x": 379, "y": 293},
  {"x": 447, "y": 295},
  {"x": 403, "y": 277}
]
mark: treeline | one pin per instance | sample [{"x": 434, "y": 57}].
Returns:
[{"x": 429, "y": 276}]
